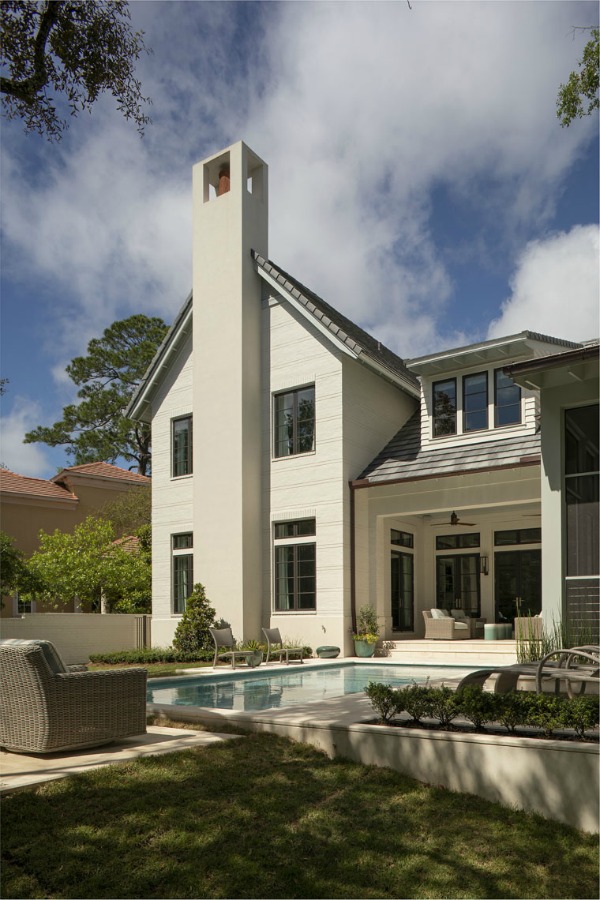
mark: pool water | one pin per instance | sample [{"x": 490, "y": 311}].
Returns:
[{"x": 295, "y": 685}]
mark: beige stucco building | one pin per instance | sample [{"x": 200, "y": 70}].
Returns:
[
  {"x": 30, "y": 505},
  {"x": 301, "y": 469}
]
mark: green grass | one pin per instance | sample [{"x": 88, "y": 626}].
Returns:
[{"x": 267, "y": 818}]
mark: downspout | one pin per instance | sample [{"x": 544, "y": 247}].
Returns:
[{"x": 352, "y": 558}]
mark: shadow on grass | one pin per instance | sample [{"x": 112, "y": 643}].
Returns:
[{"x": 265, "y": 817}]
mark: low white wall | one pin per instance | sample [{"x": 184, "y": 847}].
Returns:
[{"x": 77, "y": 635}]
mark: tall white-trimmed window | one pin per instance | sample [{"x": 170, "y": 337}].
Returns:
[
  {"x": 183, "y": 569},
  {"x": 181, "y": 454},
  {"x": 295, "y": 554},
  {"x": 507, "y": 400}
]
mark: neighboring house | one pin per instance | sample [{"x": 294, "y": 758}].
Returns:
[
  {"x": 269, "y": 412},
  {"x": 31, "y": 505}
]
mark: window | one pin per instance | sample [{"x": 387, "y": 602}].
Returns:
[
  {"x": 517, "y": 536},
  {"x": 507, "y": 400},
  {"x": 295, "y": 565},
  {"x": 457, "y": 541},
  {"x": 582, "y": 467},
  {"x": 444, "y": 407},
  {"x": 294, "y": 422},
  {"x": 183, "y": 570},
  {"x": 475, "y": 402},
  {"x": 401, "y": 538},
  {"x": 182, "y": 446}
]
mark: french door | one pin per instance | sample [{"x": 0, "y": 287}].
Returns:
[
  {"x": 518, "y": 584},
  {"x": 403, "y": 592},
  {"x": 457, "y": 583}
]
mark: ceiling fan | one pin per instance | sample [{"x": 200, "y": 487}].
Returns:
[{"x": 454, "y": 520}]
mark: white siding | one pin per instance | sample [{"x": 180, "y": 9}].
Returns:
[{"x": 172, "y": 498}]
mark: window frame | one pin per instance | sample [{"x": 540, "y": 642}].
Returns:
[
  {"x": 177, "y": 554},
  {"x": 276, "y": 443},
  {"x": 519, "y": 421},
  {"x": 189, "y": 456},
  {"x": 434, "y": 418},
  {"x": 294, "y": 541},
  {"x": 486, "y": 408}
]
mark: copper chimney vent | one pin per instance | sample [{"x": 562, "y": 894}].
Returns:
[{"x": 224, "y": 180}]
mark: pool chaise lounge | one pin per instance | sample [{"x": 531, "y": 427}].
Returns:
[{"x": 573, "y": 666}]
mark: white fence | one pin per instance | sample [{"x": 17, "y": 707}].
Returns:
[{"x": 77, "y": 635}]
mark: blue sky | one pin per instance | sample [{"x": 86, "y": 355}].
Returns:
[{"x": 419, "y": 181}]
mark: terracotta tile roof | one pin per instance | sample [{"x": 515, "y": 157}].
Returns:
[
  {"x": 101, "y": 470},
  {"x": 11, "y": 483},
  {"x": 130, "y": 543}
]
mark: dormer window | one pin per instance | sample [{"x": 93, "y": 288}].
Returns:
[
  {"x": 444, "y": 407},
  {"x": 475, "y": 402},
  {"x": 507, "y": 400}
]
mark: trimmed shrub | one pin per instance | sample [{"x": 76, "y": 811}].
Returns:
[
  {"x": 150, "y": 655},
  {"x": 192, "y": 634},
  {"x": 415, "y": 701},
  {"x": 444, "y": 705},
  {"x": 384, "y": 699},
  {"x": 581, "y": 714},
  {"x": 476, "y": 705},
  {"x": 513, "y": 709}
]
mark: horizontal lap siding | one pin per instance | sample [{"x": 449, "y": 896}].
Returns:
[{"x": 172, "y": 501}]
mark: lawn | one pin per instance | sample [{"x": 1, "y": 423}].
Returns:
[{"x": 268, "y": 818}]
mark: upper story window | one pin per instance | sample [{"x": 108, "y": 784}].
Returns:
[
  {"x": 182, "y": 446},
  {"x": 444, "y": 407},
  {"x": 507, "y": 400},
  {"x": 401, "y": 538},
  {"x": 475, "y": 402},
  {"x": 294, "y": 422}
]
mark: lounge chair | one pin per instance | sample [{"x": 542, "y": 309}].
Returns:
[
  {"x": 567, "y": 668},
  {"x": 223, "y": 637},
  {"x": 48, "y": 707},
  {"x": 273, "y": 636},
  {"x": 444, "y": 628}
]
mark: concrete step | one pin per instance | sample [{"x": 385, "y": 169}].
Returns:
[{"x": 476, "y": 653}]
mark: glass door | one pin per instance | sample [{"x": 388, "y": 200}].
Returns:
[
  {"x": 518, "y": 582},
  {"x": 402, "y": 591},
  {"x": 458, "y": 583}
]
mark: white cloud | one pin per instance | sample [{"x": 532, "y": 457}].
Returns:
[
  {"x": 360, "y": 110},
  {"x": 555, "y": 289},
  {"x": 25, "y": 459}
]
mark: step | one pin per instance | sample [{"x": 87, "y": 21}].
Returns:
[{"x": 476, "y": 653}]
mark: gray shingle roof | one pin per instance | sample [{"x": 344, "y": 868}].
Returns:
[
  {"x": 354, "y": 337},
  {"x": 403, "y": 458}
]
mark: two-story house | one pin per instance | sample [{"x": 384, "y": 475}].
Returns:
[{"x": 269, "y": 413}]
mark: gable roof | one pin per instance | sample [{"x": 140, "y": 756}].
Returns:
[
  {"x": 139, "y": 405},
  {"x": 100, "y": 470},
  {"x": 352, "y": 337},
  {"x": 403, "y": 458},
  {"x": 22, "y": 486}
]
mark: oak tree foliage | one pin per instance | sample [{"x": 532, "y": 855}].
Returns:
[
  {"x": 60, "y": 55},
  {"x": 96, "y": 429},
  {"x": 579, "y": 96}
]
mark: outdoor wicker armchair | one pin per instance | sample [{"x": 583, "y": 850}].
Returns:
[{"x": 47, "y": 707}]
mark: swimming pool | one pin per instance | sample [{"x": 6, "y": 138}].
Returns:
[{"x": 295, "y": 685}]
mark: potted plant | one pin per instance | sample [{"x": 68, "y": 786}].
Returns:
[{"x": 367, "y": 631}]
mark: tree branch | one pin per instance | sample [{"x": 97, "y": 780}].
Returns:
[{"x": 27, "y": 89}]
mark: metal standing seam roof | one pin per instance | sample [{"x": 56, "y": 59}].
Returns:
[
  {"x": 353, "y": 336},
  {"x": 403, "y": 458}
]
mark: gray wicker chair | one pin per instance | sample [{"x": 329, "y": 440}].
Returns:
[
  {"x": 446, "y": 629},
  {"x": 273, "y": 636},
  {"x": 46, "y": 707}
]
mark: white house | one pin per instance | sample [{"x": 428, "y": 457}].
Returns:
[{"x": 302, "y": 469}]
